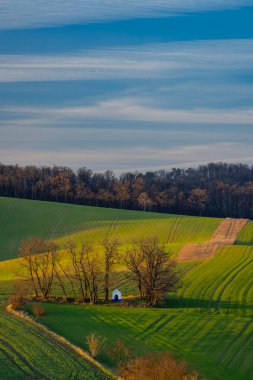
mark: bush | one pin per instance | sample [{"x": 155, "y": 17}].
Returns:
[
  {"x": 95, "y": 344},
  {"x": 161, "y": 366},
  {"x": 38, "y": 310},
  {"x": 120, "y": 354},
  {"x": 17, "y": 301}
]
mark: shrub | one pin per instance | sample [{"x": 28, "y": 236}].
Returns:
[
  {"x": 38, "y": 310},
  {"x": 95, "y": 344},
  {"x": 17, "y": 301},
  {"x": 120, "y": 354},
  {"x": 161, "y": 366}
]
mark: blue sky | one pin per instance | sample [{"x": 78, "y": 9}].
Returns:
[{"x": 126, "y": 85}]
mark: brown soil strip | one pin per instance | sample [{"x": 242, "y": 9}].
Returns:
[{"x": 225, "y": 234}]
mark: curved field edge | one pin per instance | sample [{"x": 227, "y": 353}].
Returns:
[
  {"x": 217, "y": 346},
  {"x": 245, "y": 237},
  {"x": 223, "y": 283},
  {"x": 28, "y": 353},
  {"x": 60, "y": 340},
  {"x": 208, "y": 323},
  {"x": 21, "y": 219}
]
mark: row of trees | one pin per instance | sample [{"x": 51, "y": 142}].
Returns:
[
  {"x": 224, "y": 190},
  {"x": 87, "y": 272}
]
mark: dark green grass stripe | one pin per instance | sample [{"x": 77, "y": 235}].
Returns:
[
  {"x": 234, "y": 275},
  {"x": 35, "y": 373},
  {"x": 14, "y": 363},
  {"x": 236, "y": 358},
  {"x": 203, "y": 279},
  {"x": 202, "y": 332},
  {"x": 225, "y": 356},
  {"x": 239, "y": 291}
]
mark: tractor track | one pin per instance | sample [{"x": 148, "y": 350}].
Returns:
[
  {"x": 225, "y": 275},
  {"x": 225, "y": 234},
  {"x": 14, "y": 363},
  {"x": 229, "y": 347},
  {"x": 244, "y": 343},
  {"x": 35, "y": 373},
  {"x": 219, "y": 300}
]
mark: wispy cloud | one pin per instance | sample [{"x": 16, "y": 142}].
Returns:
[
  {"x": 168, "y": 60},
  {"x": 131, "y": 109},
  {"x": 140, "y": 158},
  {"x": 15, "y": 68},
  {"x": 39, "y": 136},
  {"x": 139, "y": 106},
  {"x": 118, "y": 148},
  {"x": 37, "y": 13}
]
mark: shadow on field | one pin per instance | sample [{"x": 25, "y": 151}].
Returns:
[{"x": 212, "y": 305}]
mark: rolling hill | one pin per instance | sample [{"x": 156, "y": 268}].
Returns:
[
  {"x": 26, "y": 353},
  {"x": 20, "y": 219},
  {"x": 208, "y": 322}
]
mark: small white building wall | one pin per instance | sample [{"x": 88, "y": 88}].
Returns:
[{"x": 116, "y": 292}]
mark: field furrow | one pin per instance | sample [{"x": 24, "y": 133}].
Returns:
[
  {"x": 208, "y": 322},
  {"x": 28, "y": 353}
]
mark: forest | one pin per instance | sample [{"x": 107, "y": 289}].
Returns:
[{"x": 215, "y": 189}]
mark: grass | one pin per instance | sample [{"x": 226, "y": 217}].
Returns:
[
  {"x": 26, "y": 353},
  {"x": 246, "y": 235},
  {"x": 20, "y": 219},
  {"x": 222, "y": 284},
  {"x": 208, "y": 323},
  {"x": 174, "y": 231},
  {"x": 219, "y": 346}
]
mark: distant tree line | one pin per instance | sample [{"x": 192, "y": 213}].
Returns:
[{"x": 215, "y": 189}]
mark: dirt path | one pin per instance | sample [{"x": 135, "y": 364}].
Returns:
[{"x": 225, "y": 234}]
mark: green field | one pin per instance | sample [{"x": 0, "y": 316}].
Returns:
[
  {"x": 20, "y": 219},
  {"x": 26, "y": 353},
  {"x": 209, "y": 322},
  {"x": 246, "y": 235},
  {"x": 223, "y": 284},
  {"x": 220, "y": 347}
]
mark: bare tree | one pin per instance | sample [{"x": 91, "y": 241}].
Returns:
[
  {"x": 110, "y": 254},
  {"x": 218, "y": 189},
  {"x": 121, "y": 191},
  {"x": 44, "y": 268},
  {"x": 153, "y": 269},
  {"x": 93, "y": 275},
  {"x": 144, "y": 201},
  {"x": 61, "y": 275},
  {"x": 134, "y": 260},
  {"x": 77, "y": 275},
  {"x": 39, "y": 258},
  {"x": 198, "y": 199},
  {"x": 28, "y": 249},
  {"x": 86, "y": 270}
]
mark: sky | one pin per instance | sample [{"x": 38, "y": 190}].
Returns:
[{"x": 126, "y": 85}]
